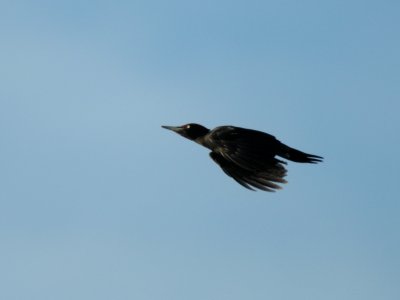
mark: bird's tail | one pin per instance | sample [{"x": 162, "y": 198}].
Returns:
[{"x": 298, "y": 156}]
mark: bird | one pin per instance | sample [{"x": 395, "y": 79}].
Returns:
[{"x": 248, "y": 156}]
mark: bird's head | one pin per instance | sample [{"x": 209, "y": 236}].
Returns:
[{"x": 190, "y": 131}]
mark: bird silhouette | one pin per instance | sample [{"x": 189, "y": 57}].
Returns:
[{"x": 246, "y": 155}]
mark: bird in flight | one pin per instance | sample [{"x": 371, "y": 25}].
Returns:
[{"x": 246, "y": 155}]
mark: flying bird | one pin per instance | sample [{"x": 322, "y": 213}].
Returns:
[{"x": 246, "y": 155}]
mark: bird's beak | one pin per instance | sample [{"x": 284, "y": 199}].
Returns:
[{"x": 176, "y": 129}]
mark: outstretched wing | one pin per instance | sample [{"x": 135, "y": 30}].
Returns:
[{"x": 264, "y": 180}]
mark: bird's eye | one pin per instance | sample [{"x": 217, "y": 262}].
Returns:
[{"x": 187, "y": 126}]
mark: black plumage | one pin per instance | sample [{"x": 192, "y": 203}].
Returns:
[{"x": 246, "y": 155}]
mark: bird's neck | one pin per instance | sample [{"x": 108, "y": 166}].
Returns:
[{"x": 201, "y": 140}]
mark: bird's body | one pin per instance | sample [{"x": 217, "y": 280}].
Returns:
[{"x": 246, "y": 155}]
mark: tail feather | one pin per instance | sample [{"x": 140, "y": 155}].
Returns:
[{"x": 298, "y": 156}]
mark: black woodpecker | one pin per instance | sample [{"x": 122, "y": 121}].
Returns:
[{"x": 246, "y": 155}]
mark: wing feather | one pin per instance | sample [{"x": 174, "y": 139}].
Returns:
[{"x": 265, "y": 181}]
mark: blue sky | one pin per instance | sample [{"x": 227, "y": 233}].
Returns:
[{"x": 99, "y": 202}]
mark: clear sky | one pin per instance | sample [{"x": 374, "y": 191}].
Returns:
[{"x": 99, "y": 202}]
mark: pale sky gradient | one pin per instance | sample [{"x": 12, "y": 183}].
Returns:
[{"x": 99, "y": 202}]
